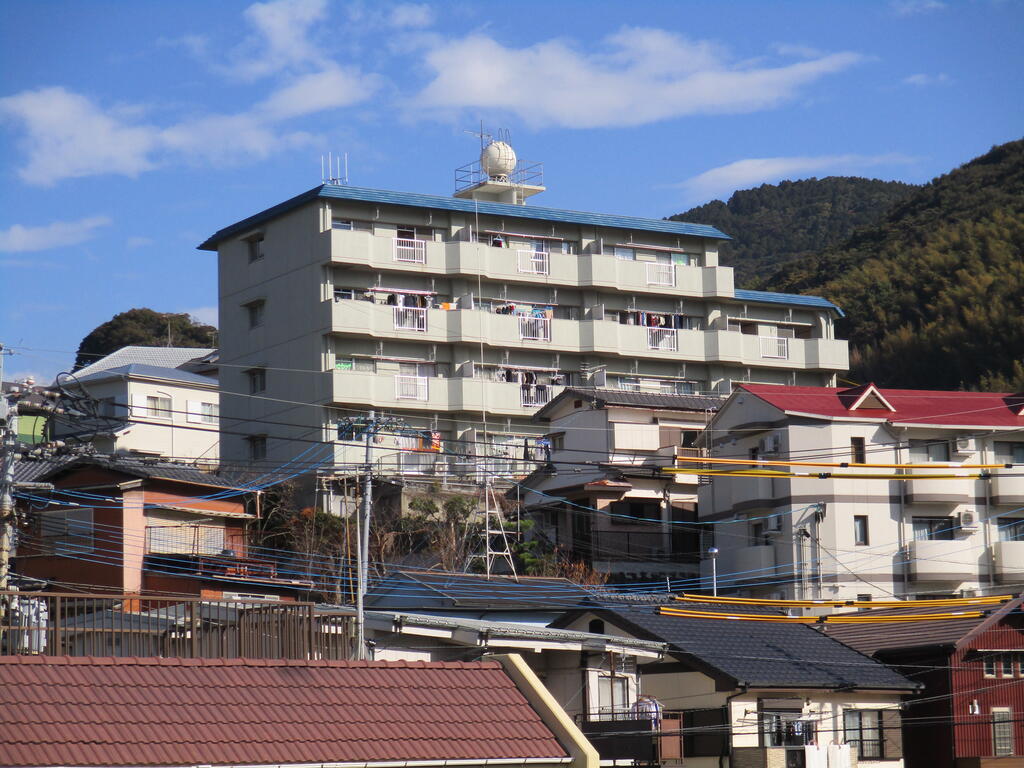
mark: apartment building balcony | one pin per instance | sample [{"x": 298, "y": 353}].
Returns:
[
  {"x": 410, "y": 319},
  {"x": 751, "y": 493},
  {"x": 364, "y": 249},
  {"x": 1009, "y": 561},
  {"x": 946, "y": 485},
  {"x": 623, "y": 735},
  {"x": 390, "y": 322},
  {"x": 1007, "y": 487},
  {"x": 533, "y": 262},
  {"x": 942, "y": 560},
  {"x": 770, "y": 351},
  {"x": 433, "y": 394},
  {"x": 601, "y": 271}
]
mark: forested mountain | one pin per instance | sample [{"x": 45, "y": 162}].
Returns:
[
  {"x": 146, "y": 328},
  {"x": 776, "y": 223},
  {"x": 934, "y": 293}
]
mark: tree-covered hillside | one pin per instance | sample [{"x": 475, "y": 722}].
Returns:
[
  {"x": 146, "y": 328},
  {"x": 776, "y": 223},
  {"x": 934, "y": 293}
]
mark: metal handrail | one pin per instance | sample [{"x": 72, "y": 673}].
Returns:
[
  {"x": 414, "y": 251},
  {"x": 410, "y": 319}
]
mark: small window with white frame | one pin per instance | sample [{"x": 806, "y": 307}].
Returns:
[
  {"x": 1002, "y": 732},
  {"x": 158, "y": 406}
]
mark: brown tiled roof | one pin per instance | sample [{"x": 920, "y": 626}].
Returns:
[
  {"x": 86, "y": 711},
  {"x": 874, "y": 638}
]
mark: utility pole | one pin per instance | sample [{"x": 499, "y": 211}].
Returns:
[
  {"x": 368, "y": 427},
  {"x": 8, "y": 444}
]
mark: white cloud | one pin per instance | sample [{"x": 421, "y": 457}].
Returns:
[
  {"x": 411, "y": 15},
  {"x": 67, "y": 136},
  {"x": 207, "y": 315},
  {"x": 280, "y": 40},
  {"x": 317, "y": 92},
  {"x": 57, "y": 234},
  {"x": 915, "y": 7},
  {"x": 922, "y": 79},
  {"x": 722, "y": 181},
  {"x": 638, "y": 76},
  {"x": 799, "y": 51}
]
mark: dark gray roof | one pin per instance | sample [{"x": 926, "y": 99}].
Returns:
[
  {"x": 181, "y": 473},
  {"x": 698, "y": 403},
  {"x": 142, "y": 370},
  {"x": 29, "y": 470},
  {"x": 760, "y": 654},
  {"x": 438, "y": 589},
  {"x": 875, "y": 639}
]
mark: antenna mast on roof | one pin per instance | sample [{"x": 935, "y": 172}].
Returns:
[{"x": 331, "y": 173}]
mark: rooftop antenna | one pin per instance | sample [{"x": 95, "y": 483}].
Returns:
[{"x": 331, "y": 173}]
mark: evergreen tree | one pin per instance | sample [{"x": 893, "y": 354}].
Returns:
[{"x": 144, "y": 327}]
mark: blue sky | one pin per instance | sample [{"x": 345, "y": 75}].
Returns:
[{"x": 133, "y": 130}]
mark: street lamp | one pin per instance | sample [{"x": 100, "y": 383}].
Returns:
[{"x": 713, "y": 554}]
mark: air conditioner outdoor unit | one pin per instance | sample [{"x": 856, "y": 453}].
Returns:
[
  {"x": 773, "y": 524},
  {"x": 968, "y": 521},
  {"x": 963, "y": 444}
]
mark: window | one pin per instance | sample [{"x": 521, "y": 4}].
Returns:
[
  {"x": 863, "y": 727},
  {"x": 864, "y": 598},
  {"x": 343, "y": 294},
  {"x": 107, "y": 408},
  {"x": 1002, "y": 731},
  {"x": 989, "y": 665},
  {"x": 255, "y": 248},
  {"x": 635, "y": 511},
  {"x": 255, "y": 313},
  {"x": 257, "y": 380},
  {"x": 933, "y": 528},
  {"x": 1011, "y": 529},
  {"x": 625, "y": 254},
  {"x": 68, "y": 530},
  {"x": 758, "y": 534},
  {"x": 360, "y": 364},
  {"x": 557, "y": 441},
  {"x": 786, "y": 729},
  {"x": 858, "y": 455},
  {"x": 257, "y": 448},
  {"x": 341, "y": 224},
  {"x": 629, "y": 383},
  {"x": 1006, "y": 665},
  {"x": 929, "y": 450},
  {"x": 860, "y": 530},
  {"x": 209, "y": 413},
  {"x": 158, "y": 407},
  {"x": 1011, "y": 453}
]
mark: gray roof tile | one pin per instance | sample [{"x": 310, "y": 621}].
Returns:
[{"x": 163, "y": 357}]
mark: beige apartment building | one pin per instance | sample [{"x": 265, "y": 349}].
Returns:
[
  {"x": 953, "y": 527},
  {"x": 463, "y": 315}
]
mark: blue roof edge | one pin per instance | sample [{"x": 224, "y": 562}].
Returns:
[
  {"x": 770, "y": 297},
  {"x": 420, "y": 200}
]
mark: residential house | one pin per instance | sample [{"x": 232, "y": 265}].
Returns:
[
  {"x": 753, "y": 693},
  {"x": 463, "y": 315},
  {"x": 146, "y": 401},
  {"x": 180, "y": 713},
  {"x": 950, "y": 524},
  {"x": 969, "y": 713},
  {"x": 603, "y": 498},
  {"x": 114, "y": 525}
]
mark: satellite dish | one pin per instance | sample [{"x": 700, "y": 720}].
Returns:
[{"x": 498, "y": 159}]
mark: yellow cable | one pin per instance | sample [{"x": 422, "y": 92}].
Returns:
[
  {"x": 831, "y": 619},
  {"x": 778, "y": 463},
  {"x": 944, "y": 603}
]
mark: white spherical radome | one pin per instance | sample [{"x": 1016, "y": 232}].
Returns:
[{"x": 498, "y": 159}]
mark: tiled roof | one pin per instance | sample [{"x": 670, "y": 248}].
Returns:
[
  {"x": 796, "y": 299},
  {"x": 913, "y": 406},
  {"x": 699, "y": 403},
  {"x": 162, "y": 357},
  {"x": 155, "y": 470},
  {"x": 417, "y": 200},
  {"x": 142, "y": 370},
  {"x": 873, "y": 638},
  {"x": 762, "y": 654},
  {"x": 84, "y": 711}
]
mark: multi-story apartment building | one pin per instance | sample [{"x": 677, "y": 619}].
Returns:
[
  {"x": 603, "y": 498},
  {"x": 953, "y": 526},
  {"x": 465, "y": 314}
]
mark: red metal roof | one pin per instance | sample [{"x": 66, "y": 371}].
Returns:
[
  {"x": 912, "y": 406},
  {"x": 86, "y": 711}
]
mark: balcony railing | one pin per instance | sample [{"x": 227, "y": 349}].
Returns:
[
  {"x": 628, "y": 736},
  {"x": 412, "y": 388},
  {"x": 664, "y": 339},
  {"x": 535, "y": 395},
  {"x": 661, "y": 274},
  {"x": 630, "y": 545},
  {"x": 131, "y": 625},
  {"x": 775, "y": 347},
  {"x": 412, "y": 251},
  {"x": 535, "y": 329},
  {"x": 410, "y": 319},
  {"x": 533, "y": 262}
]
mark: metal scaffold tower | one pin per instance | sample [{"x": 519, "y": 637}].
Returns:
[{"x": 496, "y": 545}]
